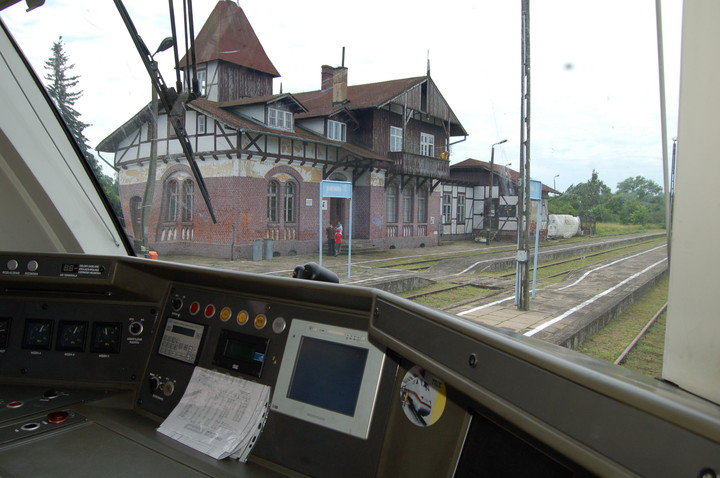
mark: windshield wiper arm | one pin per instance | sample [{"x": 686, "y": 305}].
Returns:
[{"x": 169, "y": 97}]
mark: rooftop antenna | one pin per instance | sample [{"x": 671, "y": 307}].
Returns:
[{"x": 343, "y": 58}]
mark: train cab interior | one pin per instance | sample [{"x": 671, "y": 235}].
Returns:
[{"x": 98, "y": 347}]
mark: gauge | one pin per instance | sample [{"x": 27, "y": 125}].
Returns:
[
  {"x": 4, "y": 331},
  {"x": 106, "y": 337},
  {"x": 38, "y": 334},
  {"x": 71, "y": 336}
]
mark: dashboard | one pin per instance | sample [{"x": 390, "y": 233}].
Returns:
[{"x": 95, "y": 352}]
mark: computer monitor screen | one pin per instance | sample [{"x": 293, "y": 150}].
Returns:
[{"x": 328, "y": 375}]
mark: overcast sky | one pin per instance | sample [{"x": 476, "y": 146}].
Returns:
[{"x": 594, "y": 90}]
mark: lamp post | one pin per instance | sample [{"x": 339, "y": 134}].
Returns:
[
  {"x": 492, "y": 181},
  {"x": 556, "y": 176}
]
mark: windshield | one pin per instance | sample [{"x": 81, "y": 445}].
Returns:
[{"x": 381, "y": 142}]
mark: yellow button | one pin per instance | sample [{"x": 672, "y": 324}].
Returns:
[
  {"x": 260, "y": 321},
  {"x": 242, "y": 317},
  {"x": 225, "y": 314}
]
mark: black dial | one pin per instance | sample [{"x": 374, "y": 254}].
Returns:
[
  {"x": 4, "y": 331},
  {"x": 106, "y": 337},
  {"x": 71, "y": 336},
  {"x": 38, "y": 334}
]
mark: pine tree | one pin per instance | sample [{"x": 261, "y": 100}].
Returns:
[{"x": 61, "y": 84}]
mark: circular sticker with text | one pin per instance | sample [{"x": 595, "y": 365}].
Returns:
[{"x": 423, "y": 396}]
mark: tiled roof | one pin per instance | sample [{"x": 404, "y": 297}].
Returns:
[
  {"x": 227, "y": 35},
  {"x": 370, "y": 95},
  {"x": 255, "y": 100},
  {"x": 504, "y": 171}
]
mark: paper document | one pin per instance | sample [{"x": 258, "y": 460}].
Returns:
[{"x": 219, "y": 415}]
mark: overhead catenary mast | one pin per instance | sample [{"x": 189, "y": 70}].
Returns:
[{"x": 522, "y": 296}]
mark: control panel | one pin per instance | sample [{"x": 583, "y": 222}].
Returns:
[
  {"x": 231, "y": 333},
  {"x": 78, "y": 340},
  {"x": 71, "y": 267}
]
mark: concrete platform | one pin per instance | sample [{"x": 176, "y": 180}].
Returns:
[{"x": 566, "y": 312}]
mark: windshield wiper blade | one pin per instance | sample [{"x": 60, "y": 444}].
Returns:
[{"x": 169, "y": 97}]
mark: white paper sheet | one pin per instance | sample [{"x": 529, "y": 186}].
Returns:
[{"x": 219, "y": 415}]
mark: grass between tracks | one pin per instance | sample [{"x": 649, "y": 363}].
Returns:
[
  {"x": 646, "y": 357},
  {"x": 612, "y": 228},
  {"x": 605, "y": 229},
  {"x": 580, "y": 261},
  {"x": 453, "y": 296}
]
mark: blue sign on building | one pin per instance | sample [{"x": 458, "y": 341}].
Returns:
[{"x": 335, "y": 189}]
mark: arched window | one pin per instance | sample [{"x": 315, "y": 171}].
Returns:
[
  {"x": 422, "y": 205},
  {"x": 272, "y": 201},
  {"x": 171, "y": 199},
  {"x": 136, "y": 215},
  {"x": 289, "y": 202},
  {"x": 407, "y": 202},
  {"x": 188, "y": 200},
  {"x": 391, "y": 203}
]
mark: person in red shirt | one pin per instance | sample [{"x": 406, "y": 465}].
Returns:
[{"x": 338, "y": 241}]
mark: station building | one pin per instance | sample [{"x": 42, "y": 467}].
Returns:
[{"x": 263, "y": 155}]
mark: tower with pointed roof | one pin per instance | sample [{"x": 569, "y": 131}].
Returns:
[{"x": 231, "y": 61}]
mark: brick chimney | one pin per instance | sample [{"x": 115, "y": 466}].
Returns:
[
  {"x": 340, "y": 85},
  {"x": 326, "y": 77}
]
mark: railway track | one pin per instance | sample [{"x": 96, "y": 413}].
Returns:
[{"x": 468, "y": 283}]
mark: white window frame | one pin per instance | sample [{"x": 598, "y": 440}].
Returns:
[
  {"x": 427, "y": 144},
  {"x": 202, "y": 82},
  {"x": 280, "y": 119},
  {"x": 460, "y": 208},
  {"x": 447, "y": 207},
  {"x": 396, "y": 138},
  {"x": 201, "y": 124},
  {"x": 336, "y": 130}
]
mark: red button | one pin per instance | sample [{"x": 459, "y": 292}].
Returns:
[
  {"x": 57, "y": 417},
  {"x": 194, "y": 308},
  {"x": 15, "y": 404},
  {"x": 209, "y": 311}
]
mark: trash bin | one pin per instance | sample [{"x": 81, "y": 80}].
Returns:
[
  {"x": 268, "y": 243},
  {"x": 257, "y": 250}
]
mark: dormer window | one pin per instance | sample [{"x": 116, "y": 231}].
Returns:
[
  {"x": 336, "y": 130},
  {"x": 280, "y": 119}
]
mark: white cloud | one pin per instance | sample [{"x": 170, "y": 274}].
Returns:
[{"x": 594, "y": 67}]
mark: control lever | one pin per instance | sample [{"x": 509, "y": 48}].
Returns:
[{"x": 313, "y": 271}]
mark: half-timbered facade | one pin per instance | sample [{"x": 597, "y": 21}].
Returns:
[
  {"x": 470, "y": 208},
  {"x": 263, "y": 155}
]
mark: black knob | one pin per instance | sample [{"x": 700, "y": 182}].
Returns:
[
  {"x": 50, "y": 393},
  {"x": 176, "y": 303},
  {"x": 154, "y": 384}
]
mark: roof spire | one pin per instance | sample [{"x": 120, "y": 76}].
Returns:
[{"x": 428, "y": 62}]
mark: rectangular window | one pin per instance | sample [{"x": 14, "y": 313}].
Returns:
[
  {"x": 201, "y": 124},
  {"x": 396, "y": 138},
  {"x": 446, "y": 208},
  {"x": 427, "y": 144},
  {"x": 336, "y": 130},
  {"x": 391, "y": 204},
  {"x": 461, "y": 209},
  {"x": 422, "y": 206},
  {"x": 202, "y": 82},
  {"x": 407, "y": 203},
  {"x": 280, "y": 119}
]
